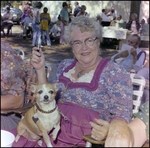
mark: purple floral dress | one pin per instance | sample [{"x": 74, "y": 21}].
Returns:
[{"x": 108, "y": 96}]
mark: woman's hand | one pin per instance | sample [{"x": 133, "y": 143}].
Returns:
[
  {"x": 100, "y": 130},
  {"x": 37, "y": 59}
]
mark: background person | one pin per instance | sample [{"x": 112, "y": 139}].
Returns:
[
  {"x": 36, "y": 25},
  {"x": 82, "y": 11},
  {"x": 133, "y": 60},
  {"x": 8, "y": 21},
  {"x": 26, "y": 23},
  {"x": 119, "y": 19},
  {"x": 133, "y": 24},
  {"x": 64, "y": 15},
  {"x": 45, "y": 20},
  {"x": 13, "y": 73},
  {"x": 106, "y": 17},
  {"x": 113, "y": 12},
  {"x": 87, "y": 85},
  {"x": 77, "y": 8}
]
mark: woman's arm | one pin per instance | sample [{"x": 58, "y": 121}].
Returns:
[
  {"x": 38, "y": 62},
  {"x": 138, "y": 127},
  {"x": 11, "y": 102},
  {"x": 119, "y": 135}
]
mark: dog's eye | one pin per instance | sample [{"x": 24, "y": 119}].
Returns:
[
  {"x": 51, "y": 92},
  {"x": 40, "y": 91}
]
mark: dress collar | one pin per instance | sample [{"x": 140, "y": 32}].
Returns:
[{"x": 89, "y": 86}]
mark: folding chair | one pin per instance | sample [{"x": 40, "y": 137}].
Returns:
[{"x": 138, "y": 83}]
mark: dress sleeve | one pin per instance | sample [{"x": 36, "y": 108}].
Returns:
[
  {"x": 13, "y": 71},
  {"x": 119, "y": 89}
]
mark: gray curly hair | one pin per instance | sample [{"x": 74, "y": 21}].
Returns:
[{"x": 85, "y": 24}]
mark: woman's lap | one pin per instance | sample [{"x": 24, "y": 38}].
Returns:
[{"x": 71, "y": 131}]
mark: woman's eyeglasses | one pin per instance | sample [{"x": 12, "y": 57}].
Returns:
[{"x": 78, "y": 44}]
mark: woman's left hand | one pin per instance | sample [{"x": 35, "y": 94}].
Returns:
[{"x": 100, "y": 130}]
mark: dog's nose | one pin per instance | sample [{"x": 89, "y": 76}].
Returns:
[{"x": 45, "y": 97}]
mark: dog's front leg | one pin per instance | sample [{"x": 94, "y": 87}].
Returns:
[
  {"x": 46, "y": 138},
  {"x": 54, "y": 134},
  {"x": 44, "y": 134}
]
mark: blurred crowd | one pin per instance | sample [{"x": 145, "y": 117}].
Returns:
[{"x": 35, "y": 24}]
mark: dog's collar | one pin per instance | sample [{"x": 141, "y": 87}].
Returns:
[{"x": 47, "y": 112}]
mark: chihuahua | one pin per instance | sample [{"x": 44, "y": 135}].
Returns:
[{"x": 43, "y": 116}]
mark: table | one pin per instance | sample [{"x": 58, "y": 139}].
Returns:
[{"x": 112, "y": 32}]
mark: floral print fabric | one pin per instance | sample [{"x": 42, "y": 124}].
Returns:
[
  {"x": 13, "y": 72},
  {"x": 109, "y": 93}
]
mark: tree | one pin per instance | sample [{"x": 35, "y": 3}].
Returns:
[{"x": 135, "y": 8}]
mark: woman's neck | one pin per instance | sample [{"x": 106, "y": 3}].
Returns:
[{"x": 88, "y": 67}]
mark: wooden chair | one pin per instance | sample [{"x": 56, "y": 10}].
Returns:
[
  {"x": 31, "y": 78},
  {"x": 138, "y": 82}
]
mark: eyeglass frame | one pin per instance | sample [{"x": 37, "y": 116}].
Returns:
[{"x": 72, "y": 42}]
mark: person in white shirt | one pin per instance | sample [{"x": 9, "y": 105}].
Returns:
[
  {"x": 113, "y": 12},
  {"x": 7, "y": 17},
  {"x": 136, "y": 56},
  {"x": 106, "y": 17},
  {"x": 119, "y": 19}
]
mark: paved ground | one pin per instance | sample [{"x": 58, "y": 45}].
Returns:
[{"x": 54, "y": 54}]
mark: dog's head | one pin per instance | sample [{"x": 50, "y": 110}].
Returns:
[{"x": 45, "y": 93}]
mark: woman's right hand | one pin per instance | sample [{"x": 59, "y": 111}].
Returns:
[{"x": 37, "y": 59}]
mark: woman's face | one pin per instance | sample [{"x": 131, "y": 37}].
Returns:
[
  {"x": 133, "y": 17},
  {"x": 83, "y": 53}
]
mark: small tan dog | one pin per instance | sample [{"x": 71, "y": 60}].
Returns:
[{"x": 43, "y": 116}]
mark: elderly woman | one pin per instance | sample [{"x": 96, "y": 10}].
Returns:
[
  {"x": 82, "y": 11},
  {"x": 133, "y": 24},
  {"x": 89, "y": 86}
]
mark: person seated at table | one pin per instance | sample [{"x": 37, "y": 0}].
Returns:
[
  {"x": 8, "y": 21},
  {"x": 141, "y": 25},
  {"x": 119, "y": 19},
  {"x": 87, "y": 86},
  {"x": 133, "y": 24},
  {"x": 133, "y": 60},
  {"x": 82, "y": 11},
  {"x": 13, "y": 72},
  {"x": 106, "y": 17},
  {"x": 134, "y": 135}
]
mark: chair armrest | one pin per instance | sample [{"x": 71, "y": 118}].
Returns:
[{"x": 92, "y": 140}]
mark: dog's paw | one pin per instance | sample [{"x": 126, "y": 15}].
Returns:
[
  {"x": 53, "y": 136},
  {"x": 17, "y": 138},
  {"x": 49, "y": 145},
  {"x": 40, "y": 142}
]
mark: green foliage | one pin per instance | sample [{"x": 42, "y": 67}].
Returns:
[{"x": 10, "y": 3}]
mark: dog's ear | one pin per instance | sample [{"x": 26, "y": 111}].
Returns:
[
  {"x": 56, "y": 86},
  {"x": 33, "y": 88}
]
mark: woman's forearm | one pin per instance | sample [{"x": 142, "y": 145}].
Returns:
[
  {"x": 138, "y": 127},
  {"x": 11, "y": 102},
  {"x": 119, "y": 135},
  {"x": 41, "y": 76}
]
